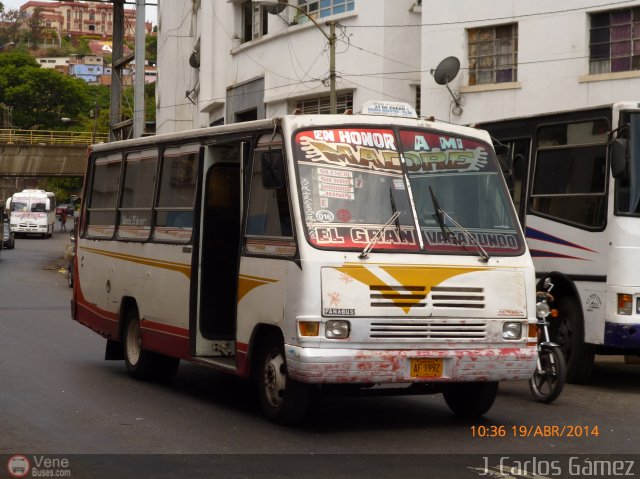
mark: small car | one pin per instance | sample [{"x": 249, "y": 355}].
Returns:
[{"x": 8, "y": 236}]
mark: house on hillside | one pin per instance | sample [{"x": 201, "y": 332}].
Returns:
[{"x": 83, "y": 18}]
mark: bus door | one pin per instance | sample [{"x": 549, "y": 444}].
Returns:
[
  {"x": 515, "y": 167},
  {"x": 215, "y": 324}
]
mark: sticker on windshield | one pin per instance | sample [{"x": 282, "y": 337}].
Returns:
[
  {"x": 435, "y": 153},
  {"x": 324, "y": 216}
]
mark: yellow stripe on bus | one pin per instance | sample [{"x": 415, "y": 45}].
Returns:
[{"x": 179, "y": 267}]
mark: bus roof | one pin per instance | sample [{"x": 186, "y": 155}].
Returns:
[{"x": 293, "y": 122}]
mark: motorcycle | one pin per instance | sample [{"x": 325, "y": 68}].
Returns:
[{"x": 551, "y": 370}]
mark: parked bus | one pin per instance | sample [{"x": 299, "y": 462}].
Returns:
[
  {"x": 575, "y": 180},
  {"x": 32, "y": 212},
  {"x": 307, "y": 251}
]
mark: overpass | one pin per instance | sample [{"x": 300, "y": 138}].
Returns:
[{"x": 45, "y": 152}]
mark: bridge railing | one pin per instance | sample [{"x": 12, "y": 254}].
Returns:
[{"x": 50, "y": 137}]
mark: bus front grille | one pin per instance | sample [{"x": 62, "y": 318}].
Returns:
[
  {"x": 435, "y": 330},
  {"x": 457, "y": 297},
  {"x": 383, "y": 296}
]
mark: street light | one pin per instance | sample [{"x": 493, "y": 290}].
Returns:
[{"x": 331, "y": 38}]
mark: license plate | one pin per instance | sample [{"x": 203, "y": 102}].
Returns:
[{"x": 426, "y": 368}]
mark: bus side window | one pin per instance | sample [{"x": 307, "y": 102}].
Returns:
[{"x": 268, "y": 213}]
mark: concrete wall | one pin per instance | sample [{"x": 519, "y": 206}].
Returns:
[{"x": 42, "y": 160}]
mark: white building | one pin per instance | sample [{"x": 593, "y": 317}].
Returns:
[
  {"x": 517, "y": 58},
  {"x": 247, "y": 63},
  {"x": 522, "y": 58}
]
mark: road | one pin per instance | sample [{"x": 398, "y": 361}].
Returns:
[{"x": 59, "y": 397}]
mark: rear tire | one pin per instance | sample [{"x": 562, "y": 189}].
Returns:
[
  {"x": 568, "y": 333},
  {"x": 142, "y": 364},
  {"x": 283, "y": 400},
  {"x": 470, "y": 400},
  {"x": 547, "y": 384}
]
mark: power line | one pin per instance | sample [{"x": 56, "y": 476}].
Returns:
[{"x": 525, "y": 15}]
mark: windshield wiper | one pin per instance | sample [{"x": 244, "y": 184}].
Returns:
[
  {"x": 440, "y": 217},
  {"x": 372, "y": 242}
]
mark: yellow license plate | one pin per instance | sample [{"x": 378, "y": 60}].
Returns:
[{"x": 426, "y": 368}]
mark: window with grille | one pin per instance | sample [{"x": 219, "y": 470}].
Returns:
[
  {"x": 323, "y": 8},
  {"x": 614, "y": 41},
  {"x": 493, "y": 54},
  {"x": 321, "y": 104}
]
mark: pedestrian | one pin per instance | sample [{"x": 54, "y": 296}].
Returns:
[{"x": 63, "y": 220}]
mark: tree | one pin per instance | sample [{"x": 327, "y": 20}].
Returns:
[
  {"x": 62, "y": 187},
  {"x": 40, "y": 97},
  {"x": 12, "y": 23},
  {"x": 36, "y": 25}
]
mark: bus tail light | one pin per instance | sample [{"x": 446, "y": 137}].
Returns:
[
  {"x": 337, "y": 329},
  {"x": 309, "y": 328},
  {"x": 625, "y": 304}
]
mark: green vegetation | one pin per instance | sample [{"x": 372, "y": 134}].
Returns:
[
  {"x": 63, "y": 188},
  {"x": 46, "y": 99}
]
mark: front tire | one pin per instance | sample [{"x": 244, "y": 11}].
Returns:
[
  {"x": 283, "y": 400},
  {"x": 470, "y": 400},
  {"x": 547, "y": 383},
  {"x": 568, "y": 333},
  {"x": 143, "y": 364}
]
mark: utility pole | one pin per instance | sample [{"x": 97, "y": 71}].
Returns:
[
  {"x": 117, "y": 65},
  {"x": 138, "y": 87},
  {"x": 333, "y": 98},
  {"x": 331, "y": 38}
]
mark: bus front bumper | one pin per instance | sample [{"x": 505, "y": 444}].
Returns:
[{"x": 318, "y": 365}]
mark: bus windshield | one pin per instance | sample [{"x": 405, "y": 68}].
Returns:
[
  {"x": 351, "y": 184},
  {"x": 462, "y": 177}
]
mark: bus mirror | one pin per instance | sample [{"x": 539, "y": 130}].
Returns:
[
  {"x": 47, "y": 205},
  {"x": 619, "y": 158},
  {"x": 272, "y": 163}
]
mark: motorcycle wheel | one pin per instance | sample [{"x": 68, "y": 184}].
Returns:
[{"x": 547, "y": 383}]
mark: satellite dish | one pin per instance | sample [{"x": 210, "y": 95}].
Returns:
[
  {"x": 446, "y": 70},
  {"x": 276, "y": 9},
  {"x": 444, "y": 73}
]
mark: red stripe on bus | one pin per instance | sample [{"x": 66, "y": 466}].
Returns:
[
  {"x": 165, "y": 328},
  {"x": 166, "y": 343}
]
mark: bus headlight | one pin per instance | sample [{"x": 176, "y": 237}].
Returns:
[
  {"x": 625, "y": 304},
  {"x": 337, "y": 329},
  {"x": 511, "y": 331}
]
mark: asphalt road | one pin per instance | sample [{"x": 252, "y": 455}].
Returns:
[{"x": 58, "y": 396}]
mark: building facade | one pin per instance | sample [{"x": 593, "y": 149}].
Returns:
[
  {"x": 524, "y": 58},
  {"x": 223, "y": 61},
  {"x": 82, "y": 18},
  {"x": 237, "y": 60}
]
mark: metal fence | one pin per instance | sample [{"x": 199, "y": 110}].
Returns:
[{"x": 50, "y": 137}]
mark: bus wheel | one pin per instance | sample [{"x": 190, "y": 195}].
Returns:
[
  {"x": 143, "y": 364},
  {"x": 283, "y": 400},
  {"x": 569, "y": 335},
  {"x": 470, "y": 400}
]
